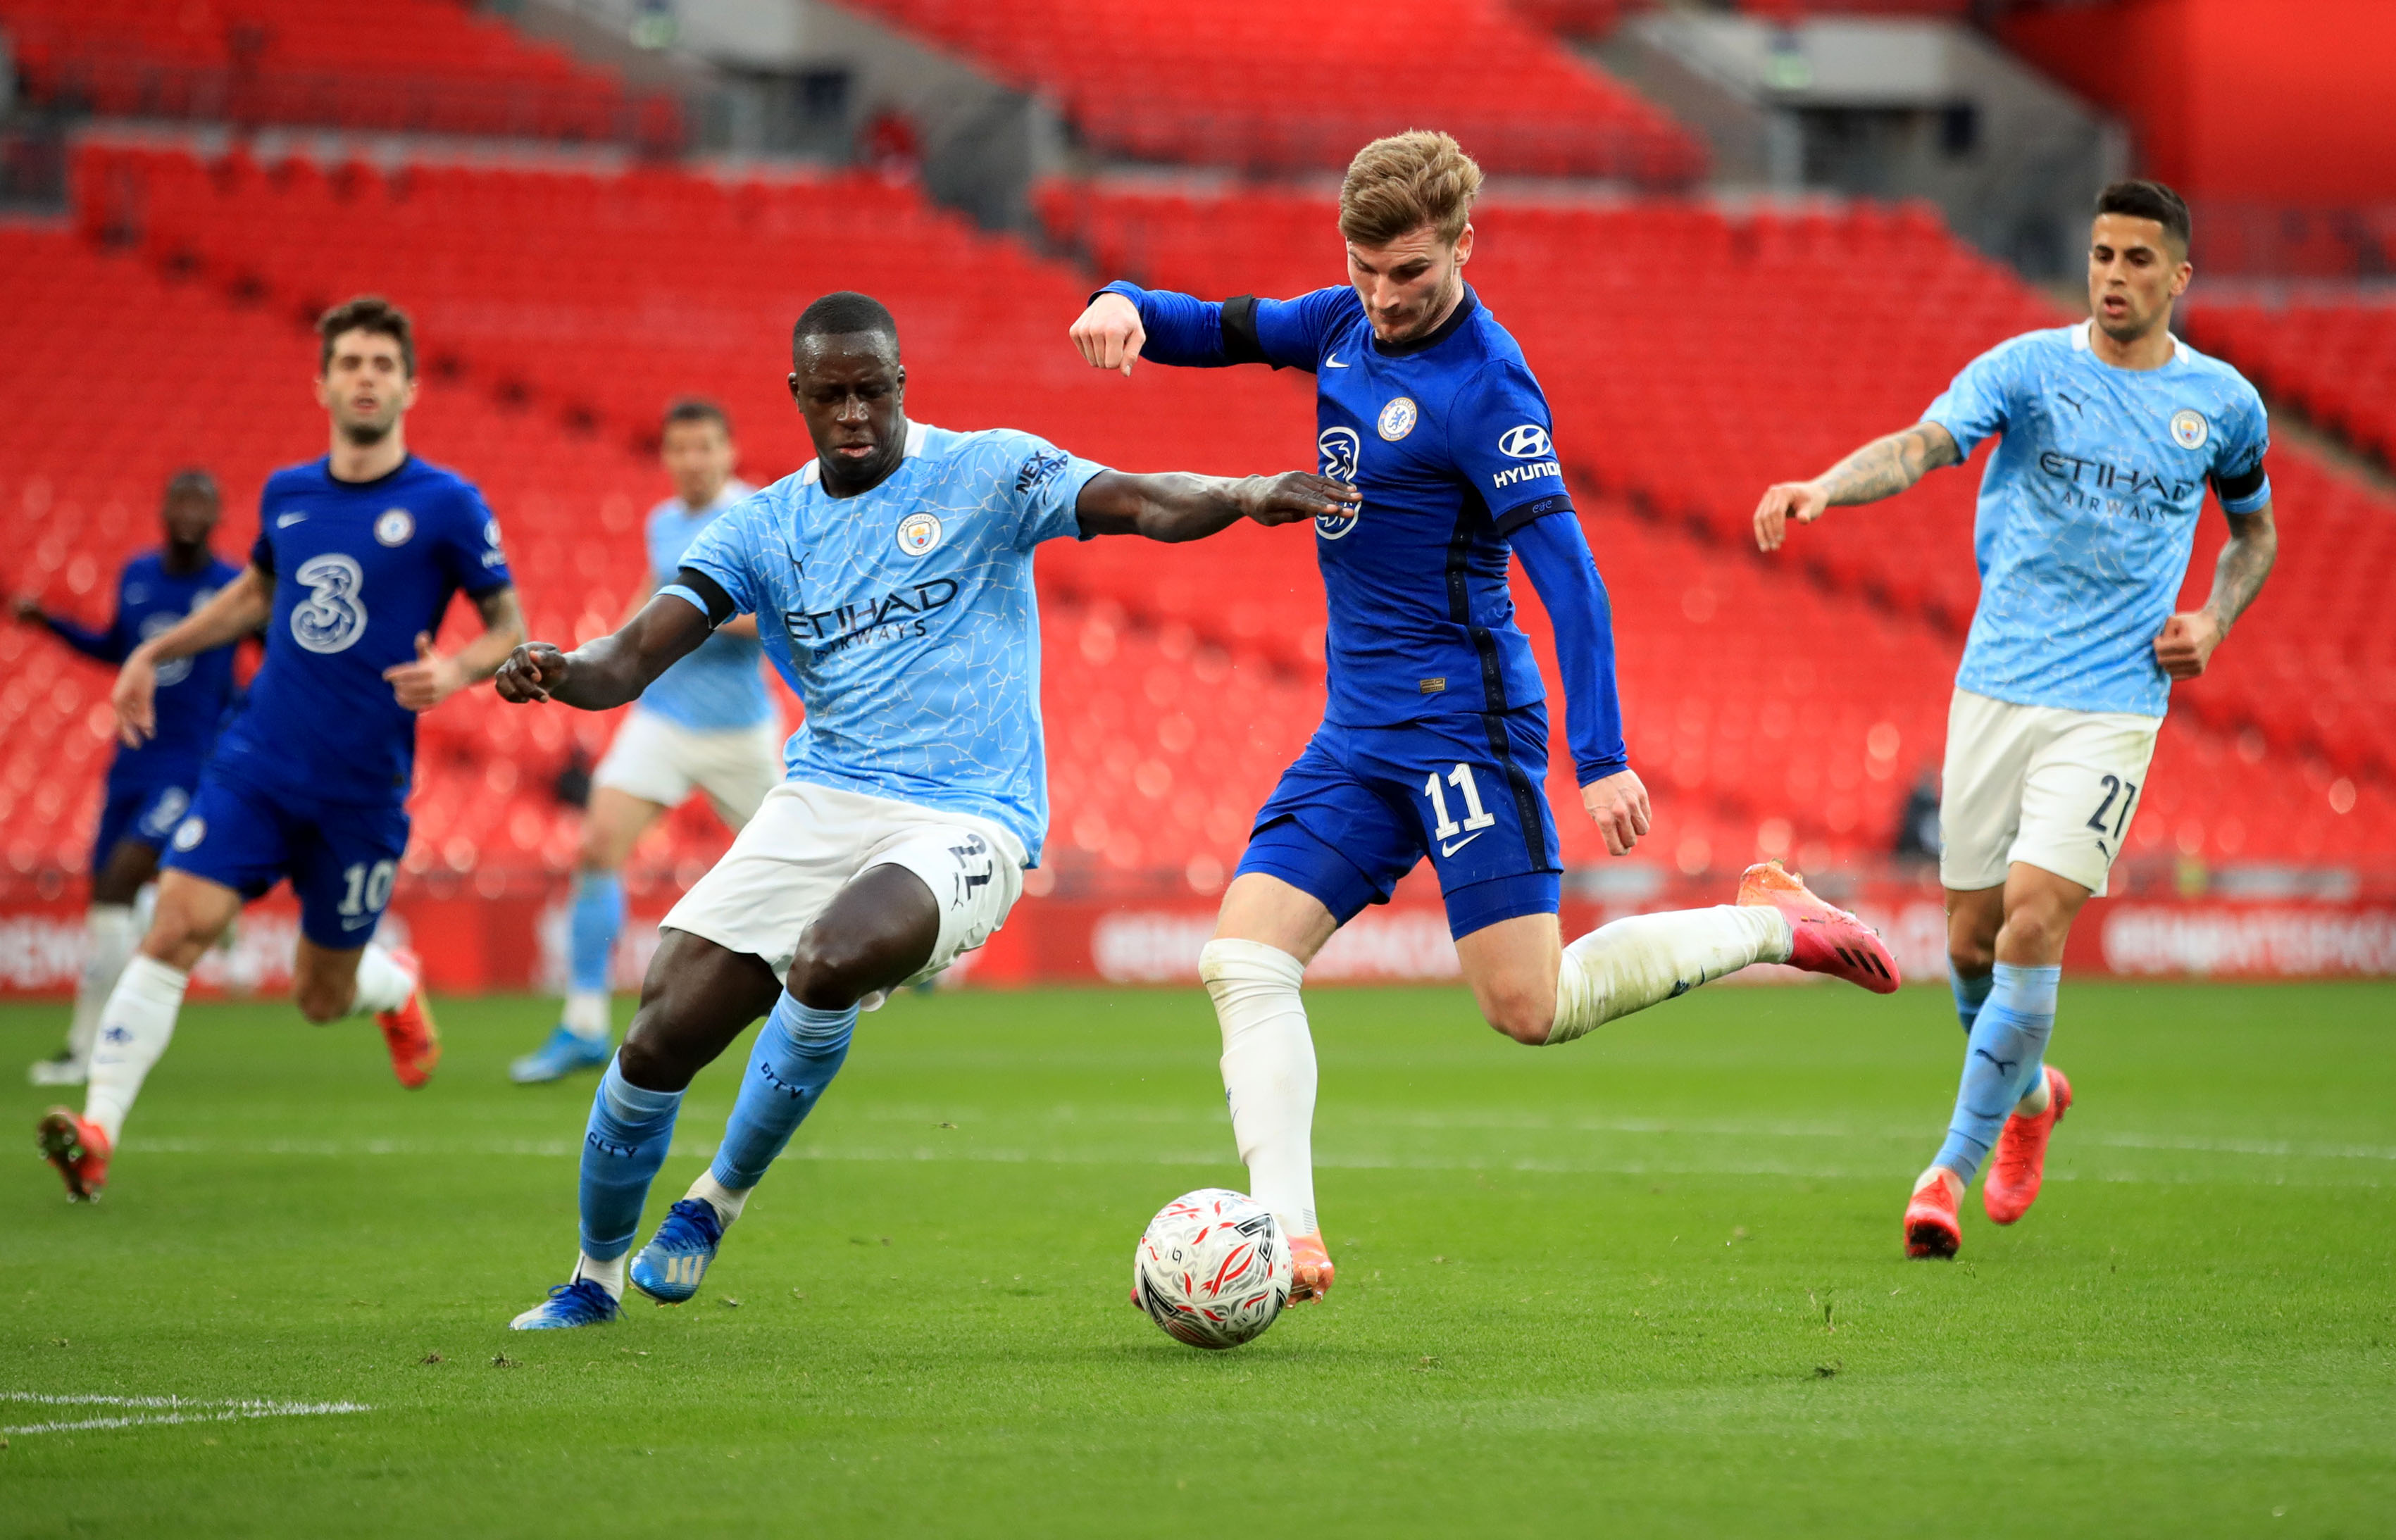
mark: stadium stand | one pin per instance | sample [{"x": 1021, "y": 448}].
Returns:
[
  {"x": 432, "y": 66},
  {"x": 1765, "y": 346},
  {"x": 1179, "y": 682},
  {"x": 2332, "y": 353},
  {"x": 1220, "y": 83}
]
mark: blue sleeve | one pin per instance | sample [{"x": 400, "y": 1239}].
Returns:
[
  {"x": 1978, "y": 403},
  {"x": 469, "y": 548},
  {"x": 720, "y": 556},
  {"x": 2238, "y": 476},
  {"x": 1044, "y": 484},
  {"x": 1208, "y": 334},
  {"x": 1497, "y": 435},
  {"x": 1556, "y": 555},
  {"x": 107, "y": 646}
]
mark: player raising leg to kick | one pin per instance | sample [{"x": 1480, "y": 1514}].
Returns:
[
  {"x": 150, "y": 787},
  {"x": 892, "y": 582},
  {"x": 2111, "y": 428},
  {"x": 1435, "y": 736},
  {"x": 357, "y": 556},
  {"x": 706, "y": 723}
]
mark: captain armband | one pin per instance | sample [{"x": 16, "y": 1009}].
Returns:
[{"x": 2241, "y": 484}]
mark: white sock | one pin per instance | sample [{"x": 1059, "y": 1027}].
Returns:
[
  {"x": 1640, "y": 961},
  {"x": 724, "y": 1201},
  {"x": 1268, "y": 1074},
  {"x": 109, "y": 936},
  {"x": 134, "y": 1028},
  {"x": 2031, "y": 1105},
  {"x": 586, "y": 1014},
  {"x": 609, "y": 1275},
  {"x": 383, "y": 985}
]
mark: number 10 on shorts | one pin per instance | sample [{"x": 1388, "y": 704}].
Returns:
[
  {"x": 1475, "y": 817},
  {"x": 368, "y": 888}
]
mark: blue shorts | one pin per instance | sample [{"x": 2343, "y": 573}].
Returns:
[
  {"x": 342, "y": 858},
  {"x": 1363, "y": 804},
  {"x": 146, "y": 814}
]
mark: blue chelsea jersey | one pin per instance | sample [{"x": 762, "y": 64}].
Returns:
[
  {"x": 2088, "y": 510},
  {"x": 193, "y": 693},
  {"x": 906, "y": 618},
  {"x": 360, "y": 568},
  {"x": 720, "y": 688},
  {"x": 1450, "y": 440}
]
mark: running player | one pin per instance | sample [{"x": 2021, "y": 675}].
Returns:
[
  {"x": 149, "y": 788},
  {"x": 1435, "y": 736},
  {"x": 357, "y": 556},
  {"x": 706, "y": 723},
  {"x": 2111, "y": 428},
  {"x": 892, "y": 580}
]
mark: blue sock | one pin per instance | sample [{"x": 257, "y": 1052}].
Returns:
[
  {"x": 598, "y": 915},
  {"x": 799, "y": 1050},
  {"x": 630, "y": 1130},
  {"x": 2007, "y": 1050},
  {"x": 1970, "y": 995}
]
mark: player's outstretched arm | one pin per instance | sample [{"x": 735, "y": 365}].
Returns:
[
  {"x": 435, "y": 676},
  {"x": 1880, "y": 469},
  {"x": 2188, "y": 638},
  {"x": 238, "y": 609},
  {"x": 612, "y": 671},
  {"x": 1176, "y": 505}
]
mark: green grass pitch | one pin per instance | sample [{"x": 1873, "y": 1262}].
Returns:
[{"x": 1650, "y": 1284}]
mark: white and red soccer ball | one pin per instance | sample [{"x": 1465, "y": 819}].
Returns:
[{"x": 1213, "y": 1269}]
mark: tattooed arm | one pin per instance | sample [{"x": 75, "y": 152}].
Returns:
[
  {"x": 1880, "y": 469},
  {"x": 2188, "y": 640}
]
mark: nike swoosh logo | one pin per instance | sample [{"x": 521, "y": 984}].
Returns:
[
  {"x": 288, "y": 520},
  {"x": 1333, "y": 363},
  {"x": 362, "y": 920},
  {"x": 1452, "y": 849}
]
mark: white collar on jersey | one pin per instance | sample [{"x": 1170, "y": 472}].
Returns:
[
  {"x": 2080, "y": 335},
  {"x": 916, "y": 432}
]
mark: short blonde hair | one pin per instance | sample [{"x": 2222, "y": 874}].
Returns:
[{"x": 1397, "y": 185}]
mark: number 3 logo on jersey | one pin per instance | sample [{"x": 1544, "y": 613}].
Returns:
[
  {"x": 332, "y": 617},
  {"x": 1341, "y": 450}
]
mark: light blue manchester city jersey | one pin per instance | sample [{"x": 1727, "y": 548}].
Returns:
[
  {"x": 720, "y": 687},
  {"x": 907, "y": 621},
  {"x": 2088, "y": 510}
]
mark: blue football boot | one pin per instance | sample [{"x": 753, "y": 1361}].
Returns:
[
  {"x": 563, "y": 1055},
  {"x": 671, "y": 1265},
  {"x": 581, "y": 1303}
]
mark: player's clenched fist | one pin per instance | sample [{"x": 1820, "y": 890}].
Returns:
[
  {"x": 1109, "y": 333},
  {"x": 2187, "y": 643},
  {"x": 1296, "y": 496},
  {"x": 1618, "y": 804},
  {"x": 1802, "y": 502},
  {"x": 530, "y": 673}
]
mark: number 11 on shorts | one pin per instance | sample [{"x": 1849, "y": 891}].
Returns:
[{"x": 1474, "y": 816}]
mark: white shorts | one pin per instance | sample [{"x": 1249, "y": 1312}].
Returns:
[
  {"x": 2040, "y": 785},
  {"x": 809, "y": 842},
  {"x": 660, "y": 762}
]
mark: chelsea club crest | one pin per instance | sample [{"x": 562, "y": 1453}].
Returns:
[{"x": 1398, "y": 419}]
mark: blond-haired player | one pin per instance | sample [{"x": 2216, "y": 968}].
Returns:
[{"x": 1434, "y": 740}]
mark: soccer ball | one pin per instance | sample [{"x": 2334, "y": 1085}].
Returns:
[{"x": 1213, "y": 1269}]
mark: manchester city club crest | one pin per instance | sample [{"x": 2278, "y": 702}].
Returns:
[
  {"x": 395, "y": 527},
  {"x": 918, "y": 533},
  {"x": 1398, "y": 419},
  {"x": 2188, "y": 429}
]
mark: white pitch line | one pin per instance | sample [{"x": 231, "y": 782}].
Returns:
[{"x": 179, "y": 1410}]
